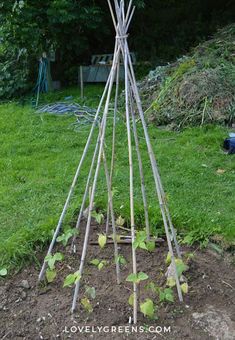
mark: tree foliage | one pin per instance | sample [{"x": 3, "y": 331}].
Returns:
[{"x": 76, "y": 29}]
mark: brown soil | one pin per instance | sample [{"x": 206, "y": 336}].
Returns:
[{"x": 208, "y": 311}]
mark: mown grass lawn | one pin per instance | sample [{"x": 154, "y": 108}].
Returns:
[{"x": 39, "y": 155}]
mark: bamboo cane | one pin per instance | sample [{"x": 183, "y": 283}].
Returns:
[
  {"x": 121, "y": 37},
  {"x": 104, "y": 121},
  {"x": 114, "y": 137},
  {"x": 110, "y": 199},
  {"x": 121, "y": 19},
  {"x": 158, "y": 175},
  {"x": 131, "y": 75},
  {"x": 86, "y": 188},
  {"x": 85, "y": 194},
  {"x": 56, "y": 233},
  {"x": 134, "y": 263},
  {"x": 155, "y": 173},
  {"x": 140, "y": 170}
]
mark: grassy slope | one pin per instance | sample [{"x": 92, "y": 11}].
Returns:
[{"x": 39, "y": 155}]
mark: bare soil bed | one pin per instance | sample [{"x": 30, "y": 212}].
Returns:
[{"x": 43, "y": 312}]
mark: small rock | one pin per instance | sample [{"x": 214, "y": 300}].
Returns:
[
  {"x": 25, "y": 284},
  {"x": 23, "y": 295}
]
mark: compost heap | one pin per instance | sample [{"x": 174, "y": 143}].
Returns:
[{"x": 197, "y": 89}]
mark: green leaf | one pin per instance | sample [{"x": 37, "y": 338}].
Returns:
[
  {"x": 51, "y": 260},
  {"x": 142, "y": 276},
  {"x": 142, "y": 245},
  {"x": 147, "y": 308},
  {"x": 102, "y": 240},
  {"x": 78, "y": 276},
  {"x": 136, "y": 278},
  {"x": 135, "y": 244},
  {"x": 66, "y": 236},
  {"x": 98, "y": 217},
  {"x": 170, "y": 282},
  {"x": 151, "y": 245},
  {"x": 69, "y": 280},
  {"x": 100, "y": 265},
  {"x": 3, "y": 272},
  {"x": 141, "y": 236},
  {"x": 95, "y": 262},
  {"x": 166, "y": 295},
  {"x": 180, "y": 267},
  {"x": 90, "y": 291},
  {"x": 50, "y": 275},
  {"x": 184, "y": 288},
  {"x": 140, "y": 239},
  {"x": 132, "y": 278},
  {"x": 120, "y": 221},
  {"x": 87, "y": 305},
  {"x": 72, "y": 279},
  {"x": 169, "y": 294},
  {"x": 58, "y": 256},
  {"x": 121, "y": 259}
]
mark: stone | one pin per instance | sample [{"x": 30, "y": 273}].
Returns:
[{"x": 25, "y": 284}]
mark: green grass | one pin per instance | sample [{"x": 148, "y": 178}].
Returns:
[{"x": 39, "y": 155}]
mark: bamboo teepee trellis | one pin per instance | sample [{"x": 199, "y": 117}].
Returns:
[{"x": 121, "y": 16}]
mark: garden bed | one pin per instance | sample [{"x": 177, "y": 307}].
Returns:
[{"x": 28, "y": 311}]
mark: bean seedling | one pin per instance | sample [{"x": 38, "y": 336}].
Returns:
[
  {"x": 137, "y": 278},
  {"x": 147, "y": 308},
  {"x": 64, "y": 238},
  {"x": 99, "y": 217},
  {"x": 166, "y": 295},
  {"x": 121, "y": 259},
  {"x": 142, "y": 243},
  {"x": 51, "y": 271},
  {"x": 90, "y": 293},
  {"x": 102, "y": 240},
  {"x": 72, "y": 279},
  {"x": 99, "y": 263},
  {"x": 181, "y": 267},
  {"x": 120, "y": 221}
]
